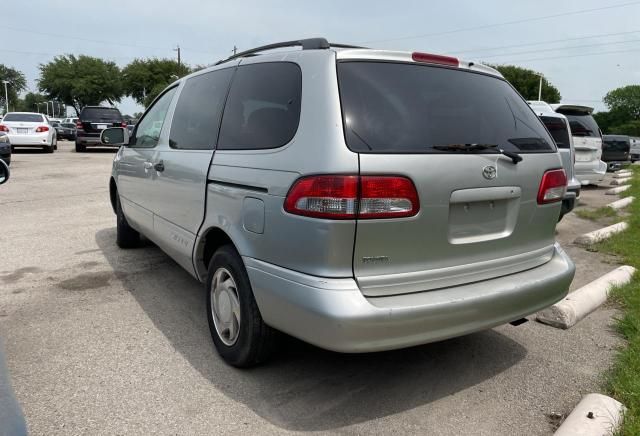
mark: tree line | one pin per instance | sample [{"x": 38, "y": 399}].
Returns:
[{"x": 82, "y": 80}]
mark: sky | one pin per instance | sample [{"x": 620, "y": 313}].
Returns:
[{"x": 585, "y": 48}]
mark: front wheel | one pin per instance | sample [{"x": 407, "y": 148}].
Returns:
[
  {"x": 126, "y": 236},
  {"x": 237, "y": 329}
]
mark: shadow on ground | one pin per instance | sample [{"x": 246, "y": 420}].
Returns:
[{"x": 305, "y": 388}]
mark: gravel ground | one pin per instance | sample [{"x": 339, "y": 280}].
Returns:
[{"x": 104, "y": 341}]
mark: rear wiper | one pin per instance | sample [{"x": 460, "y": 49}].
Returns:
[{"x": 515, "y": 157}]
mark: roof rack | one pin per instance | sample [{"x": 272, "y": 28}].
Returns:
[{"x": 306, "y": 44}]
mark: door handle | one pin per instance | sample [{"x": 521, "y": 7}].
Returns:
[
  {"x": 159, "y": 166},
  {"x": 147, "y": 165}
]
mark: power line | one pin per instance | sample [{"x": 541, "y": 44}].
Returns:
[
  {"x": 560, "y": 48},
  {"x": 505, "y": 23},
  {"x": 576, "y": 56},
  {"x": 541, "y": 42}
]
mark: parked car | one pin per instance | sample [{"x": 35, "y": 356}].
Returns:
[
  {"x": 29, "y": 129},
  {"x": 616, "y": 151},
  {"x": 92, "y": 121},
  {"x": 5, "y": 148},
  {"x": 70, "y": 121},
  {"x": 558, "y": 125},
  {"x": 634, "y": 149},
  {"x": 67, "y": 131},
  {"x": 587, "y": 141},
  {"x": 357, "y": 199}
]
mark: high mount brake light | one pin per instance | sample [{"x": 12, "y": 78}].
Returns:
[
  {"x": 351, "y": 197},
  {"x": 552, "y": 186},
  {"x": 435, "y": 59}
]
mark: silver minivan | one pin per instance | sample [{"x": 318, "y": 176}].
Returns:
[{"x": 360, "y": 200}]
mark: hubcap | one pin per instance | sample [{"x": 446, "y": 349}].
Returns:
[{"x": 225, "y": 306}]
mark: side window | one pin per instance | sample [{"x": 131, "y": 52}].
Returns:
[
  {"x": 263, "y": 108},
  {"x": 197, "y": 115},
  {"x": 148, "y": 131}
]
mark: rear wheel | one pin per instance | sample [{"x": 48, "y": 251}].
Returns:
[
  {"x": 80, "y": 147},
  {"x": 49, "y": 148},
  {"x": 237, "y": 329},
  {"x": 126, "y": 236}
]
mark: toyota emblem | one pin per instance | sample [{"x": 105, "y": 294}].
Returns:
[{"x": 489, "y": 172}]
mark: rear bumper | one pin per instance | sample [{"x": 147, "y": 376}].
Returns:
[
  {"x": 334, "y": 314},
  {"x": 29, "y": 140},
  {"x": 589, "y": 173}
]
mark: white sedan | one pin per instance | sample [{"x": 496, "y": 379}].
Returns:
[{"x": 29, "y": 129}]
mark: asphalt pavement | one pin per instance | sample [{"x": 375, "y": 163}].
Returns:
[{"x": 100, "y": 340}]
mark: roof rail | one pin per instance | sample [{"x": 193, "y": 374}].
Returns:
[{"x": 306, "y": 44}]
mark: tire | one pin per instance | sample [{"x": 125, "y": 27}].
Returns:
[
  {"x": 126, "y": 236},
  {"x": 55, "y": 143},
  {"x": 48, "y": 148},
  {"x": 80, "y": 147},
  {"x": 254, "y": 340}
]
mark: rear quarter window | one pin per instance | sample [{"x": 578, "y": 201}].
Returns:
[
  {"x": 391, "y": 107},
  {"x": 263, "y": 107}
]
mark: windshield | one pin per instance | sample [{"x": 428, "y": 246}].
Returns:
[
  {"x": 408, "y": 108},
  {"x": 101, "y": 114},
  {"x": 558, "y": 129},
  {"x": 69, "y": 125},
  {"x": 28, "y": 118}
]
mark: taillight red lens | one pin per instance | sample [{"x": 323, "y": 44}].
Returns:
[
  {"x": 78, "y": 125},
  {"x": 350, "y": 197},
  {"x": 41, "y": 129},
  {"x": 435, "y": 59},
  {"x": 552, "y": 187},
  {"x": 3, "y": 128},
  {"x": 123, "y": 124}
]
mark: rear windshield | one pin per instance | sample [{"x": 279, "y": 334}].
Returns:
[
  {"x": 29, "y": 118},
  {"x": 100, "y": 114},
  {"x": 69, "y": 125},
  {"x": 558, "y": 129},
  {"x": 581, "y": 124},
  {"x": 407, "y": 108}
]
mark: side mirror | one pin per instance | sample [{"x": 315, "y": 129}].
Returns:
[
  {"x": 4, "y": 172},
  {"x": 115, "y": 136}
]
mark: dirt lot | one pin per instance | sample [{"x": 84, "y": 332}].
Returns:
[{"x": 104, "y": 341}]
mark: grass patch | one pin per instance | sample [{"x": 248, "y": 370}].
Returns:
[
  {"x": 596, "y": 214},
  {"x": 623, "y": 380}
]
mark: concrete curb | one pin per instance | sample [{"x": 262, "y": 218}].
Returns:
[
  {"x": 622, "y": 174},
  {"x": 600, "y": 234},
  {"x": 622, "y": 181},
  {"x": 619, "y": 189},
  {"x": 583, "y": 301},
  {"x": 622, "y": 203},
  {"x": 595, "y": 415}
]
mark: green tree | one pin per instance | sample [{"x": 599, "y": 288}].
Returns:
[
  {"x": 144, "y": 79},
  {"x": 32, "y": 102},
  {"x": 17, "y": 84},
  {"x": 527, "y": 82},
  {"x": 81, "y": 81},
  {"x": 625, "y": 100}
]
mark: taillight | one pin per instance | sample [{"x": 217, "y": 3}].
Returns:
[
  {"x": 552, "y": 187},
  {"x": 435, "y": 59},
  {"x": 78, "y": 124},
  {"x": 350, "y": 197},
  {"x": 41, "y": 129},
  {"x": 123, "y": 124},
  {"x": 3, "y": 128}
]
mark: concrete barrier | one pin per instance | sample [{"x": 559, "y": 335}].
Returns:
[
  {"x": 600, "y": 234},
  {"x": 622, "y": 203},
  {"x": 617, "y": 190},
  {"x": 580, "y": 303},
  {"x": 622, "y": 181},
  {"x": 595, "y": 415},
  {"x": 622, "y": 174}
]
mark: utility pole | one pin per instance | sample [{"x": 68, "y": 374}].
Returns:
[
  {"x": 235, "y": 50},
  {"x": 540, "y": 89},
  {"x": 6, "y": 94},
  {"x": 178, "y": 50}
]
